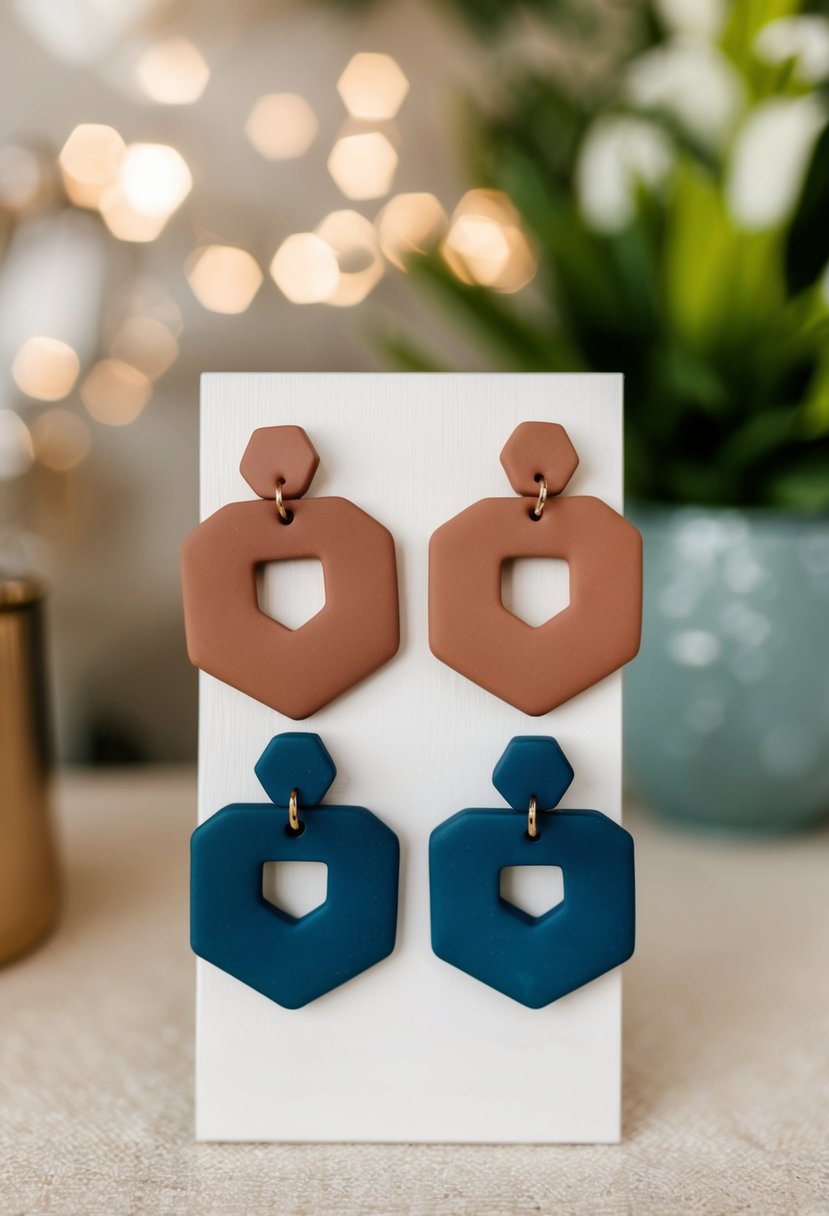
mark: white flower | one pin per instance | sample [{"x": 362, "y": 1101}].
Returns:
[
  {"x": 619, "y": 152},
  {"x": 804, "y": 39},
  {"x": 770, "y": 158},
  {"x": 692, "y": 81},
  {"x": 703, "y": 18}
]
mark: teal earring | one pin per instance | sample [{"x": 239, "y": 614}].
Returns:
[
  {"x": 293, "y": 960},
  {"x": 533, "y": 960}
]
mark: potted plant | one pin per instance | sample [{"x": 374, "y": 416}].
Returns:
[{"x": 675, "y": 188}]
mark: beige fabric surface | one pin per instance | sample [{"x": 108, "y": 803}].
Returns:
[{"x": 726, "y": 1042}]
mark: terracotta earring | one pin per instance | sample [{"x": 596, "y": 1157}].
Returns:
[
  {"x": 536, "y": 668},
  {"x": 356, "y": 631}
]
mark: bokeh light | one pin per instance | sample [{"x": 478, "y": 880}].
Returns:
[
  {"x": 61, "y": 439},
  {"x": 15, "y": 445},
  {"x": 223, "y": 278},
  {"x": 305, "y": 269},
  {"x": 89, "y": 162},
  {"x": 373, "y": 86},
  {"x": 45, "y": 368},
  {"x": 410, "y": 224},
  {"x": 173, "y": 72},
  {"x": 281, "y": 126},
  {"x": 127, "y": 224},
  {"x": 486, "y": 246},
  {"x": 354, "y": 243},
  {"x": 363, "y": 165},
  {"x": 154, "y": 179},
  {"x": 114, "y": 392}
]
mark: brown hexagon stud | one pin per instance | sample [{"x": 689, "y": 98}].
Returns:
[
  {"x": 535, "y": 450},
  {"x": 279, "y": 453}
]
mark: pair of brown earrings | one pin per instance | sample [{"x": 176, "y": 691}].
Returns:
[{"x": 357, "y": 630}]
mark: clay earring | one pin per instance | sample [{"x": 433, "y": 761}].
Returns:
[
  {"x": 536, "y": 669},
  {"x": 293, "y": 960},
  {"x": 532, "y": 959},
  {"x": 356, "y": 631}
]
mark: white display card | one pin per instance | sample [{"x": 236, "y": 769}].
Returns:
[{"x": 413, "y": 1049}]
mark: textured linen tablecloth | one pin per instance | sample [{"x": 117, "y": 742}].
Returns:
[{"x": 726, "y": 1103}]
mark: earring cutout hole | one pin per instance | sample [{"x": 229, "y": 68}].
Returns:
[
  {"x": 295, "y": 887},
  {"x": 292, "y": 591},
  {"x": 534, "y": 890},
  {"x": 535, "y": 589},
  {"x": 289, "y": 517}
]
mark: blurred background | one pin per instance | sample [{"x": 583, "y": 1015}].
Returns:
[{"x": 455, "y": 184}]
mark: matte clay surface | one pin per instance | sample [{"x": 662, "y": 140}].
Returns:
[
  {"x": 535, "y": 668},
  {"x": 293, "y": 671},
  {"x": 535, "y": 450},
  {"x": 293, "y": 960},
  {"x": 279, "y": 454},
  {"x": 532, "y": 959}
]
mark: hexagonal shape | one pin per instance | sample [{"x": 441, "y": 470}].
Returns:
[
  {"x": 372, "y": 86},
  {"x": 279, "y": 453},
  {"x": 363, "y": 164},
  {"x": 533, "y": 960},
  {"x": 281, "y": 126},
  {"x": 293, "y": 960},
  {"x": 535, "y": 668},
  {"x": 535, "y": 450},
  {"x": 295, "y": 760},
  {"x": 295, "y": 671},
  {"x": 532, "y": 766}
]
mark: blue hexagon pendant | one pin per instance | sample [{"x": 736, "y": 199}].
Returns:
[
  {"x": 534, "y": 960},
  {"x": 293, "y": 960}
]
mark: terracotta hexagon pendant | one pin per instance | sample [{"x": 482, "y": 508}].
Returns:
[
  {"x": 294, "y": 671},
  {"x": 536, "y": 668}
]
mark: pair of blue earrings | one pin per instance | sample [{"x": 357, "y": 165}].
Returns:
[{"x": 293, "y": 960}]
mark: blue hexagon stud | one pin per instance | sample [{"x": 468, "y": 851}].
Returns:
[
  {"x": 534, "y": 960},
  {"x": 293, "y": 960},
  {"x": 295, "y": 761},
  {"x": 532, "y": 767}
]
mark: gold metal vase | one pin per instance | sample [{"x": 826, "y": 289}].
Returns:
[{"x": 29, "y": 884}]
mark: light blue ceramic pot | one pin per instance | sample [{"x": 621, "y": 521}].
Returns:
[{"x": 727, "y": 705}]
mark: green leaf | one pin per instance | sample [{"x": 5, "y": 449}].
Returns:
[
  {"x": 746, "y": 19},
  {"x": 807, "y": 242},
  {"x": 699, "y": 258}
]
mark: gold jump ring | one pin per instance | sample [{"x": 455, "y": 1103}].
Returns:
[
  {"x": 532, "y": 818},
  {"x": 293, "y": 812},
  {"x": 284, "y": 513},
  {"x": 538, "y": 509}
]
